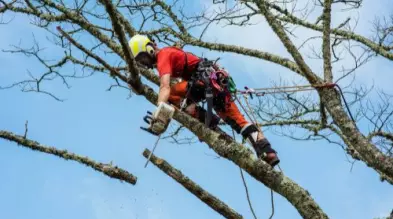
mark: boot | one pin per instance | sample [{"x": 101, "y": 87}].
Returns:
[{"x": 262, "y": 146}]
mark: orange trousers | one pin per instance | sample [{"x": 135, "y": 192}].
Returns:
[{"x": 230, "y": 114}]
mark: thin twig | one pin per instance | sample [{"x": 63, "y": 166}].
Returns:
[{"x": 26, "y": 129}]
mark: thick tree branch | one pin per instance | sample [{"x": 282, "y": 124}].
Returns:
[
  {"x": 369, "y": 153},
  {"x": 376, "y": 47},
  {"x": 351, "y": 150},
  {"x": 386, "y": 135},
  {"x": 91, "y": 54},
  {"x": 44, "y": 16},
  {"x": 109, "y": 170},
  {"x": 331, "y": 99},
  {"x": 239, "y": 50},
  {"x": 291, "y": 48},
  {"x": 327, "y": 65},
  {"x": 188, "y": 39},
  {"x": 89, "y": 27},
  {"x": 135, "y": 81},
  {"x": 224, "y": 146},
  {"x": 219, "y": 142},
  {"x": 209, "y": 199},
  {"x": 173, "y": 16},
  {"x": 113, "y": 71}
]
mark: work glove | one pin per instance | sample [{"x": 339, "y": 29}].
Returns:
[{"x": 159, "y": 121}]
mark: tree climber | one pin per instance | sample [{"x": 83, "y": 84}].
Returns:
[{"x": 175, "y": 63}]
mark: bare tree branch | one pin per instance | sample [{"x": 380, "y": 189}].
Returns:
[
  {"x": 376, "y": 47},
  {"x": 113, "y": 13},
  {"x": 107, "y": 169},
  {"x": 291, "y": 48},
  {"x": 327, "y": 66},
  {"x": 320, "y": 117},
  {"x": 223, "y": 145},
  {"x": 209, "y": 199}
]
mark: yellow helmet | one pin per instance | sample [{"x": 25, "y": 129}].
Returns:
[{"x": 141, "y": 44}]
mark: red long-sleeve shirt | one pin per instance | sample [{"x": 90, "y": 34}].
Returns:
[{"x": 171, "y": 60}]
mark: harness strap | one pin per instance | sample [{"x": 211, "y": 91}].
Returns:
[{"x": 208, "y": 91}]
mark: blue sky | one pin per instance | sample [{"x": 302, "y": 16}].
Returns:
[{"x": 105, "y": 126}]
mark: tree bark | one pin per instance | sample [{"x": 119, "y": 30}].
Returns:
[
  {"x": 107, "y": 169},
  {"x": 194, "y": 188},
  {"x": 243, "y": 157},
  {"x": 369, "y": 152},
  {"x": 327, "y": 63},
  {"x": 330, "y": 98},
  {"x": 228, "y": 148}
]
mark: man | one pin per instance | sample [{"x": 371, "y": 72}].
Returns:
[{"x": 173, "y": 62}]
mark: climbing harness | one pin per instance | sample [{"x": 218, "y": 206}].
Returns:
[{"x": 216, "y": 82}]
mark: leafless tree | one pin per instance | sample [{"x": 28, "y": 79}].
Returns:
[{"x": 93, "y": 37}]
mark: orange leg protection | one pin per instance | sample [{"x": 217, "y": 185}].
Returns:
[
  {"x": 231, "y": 115},
  {"x": 178, "y": 92}
]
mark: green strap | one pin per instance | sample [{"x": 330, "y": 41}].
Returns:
[{"x": 231, "y": 85}]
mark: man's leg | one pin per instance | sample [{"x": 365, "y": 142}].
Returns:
[
  {"x": 197, "y": 93},
  {"x": 232, "y": 116}
]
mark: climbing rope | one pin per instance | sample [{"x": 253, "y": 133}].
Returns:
[
  {"x": 273, "y": 90},
  {"x": 286, "y": 89},
  {"x": 253, "y": 119},
  {"x": 263, "y": 91},
  {"x": 245, "y": 184}
]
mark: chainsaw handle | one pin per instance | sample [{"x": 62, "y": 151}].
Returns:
[
  {"x": 148, "y": 130},
  {"x": 148, "y": 119}
]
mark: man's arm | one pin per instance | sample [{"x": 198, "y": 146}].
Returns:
[{"x": 165, "y": 88}]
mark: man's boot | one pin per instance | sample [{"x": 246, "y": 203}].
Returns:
[{"x": 261, "y": 146}]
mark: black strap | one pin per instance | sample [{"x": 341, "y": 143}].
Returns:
[
  {"x": 186, "y": 67},
  {"x": 209, "y": 94},
  {"x": 209, "y": 100}
]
